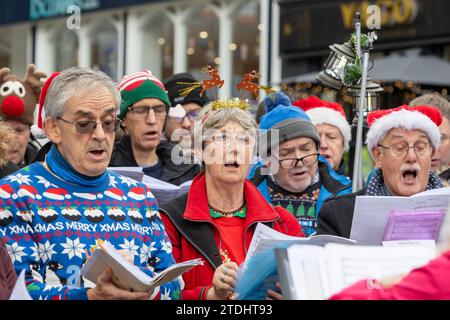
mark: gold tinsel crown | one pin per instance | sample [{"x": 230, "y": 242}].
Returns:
[{"x": 230, "y": 103}]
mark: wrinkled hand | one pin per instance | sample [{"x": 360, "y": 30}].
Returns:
[
  {"x": 275, "y": 295},
  {"x": 106, "y": 290},
  {"x": 224, "y": 280}
]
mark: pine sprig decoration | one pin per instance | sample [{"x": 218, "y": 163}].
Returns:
[{"x": 351, "y": 74}]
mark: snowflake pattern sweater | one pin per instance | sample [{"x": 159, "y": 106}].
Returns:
[{"x": 48, "y": 225}]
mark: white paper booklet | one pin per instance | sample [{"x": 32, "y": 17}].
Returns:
[
  {"x": 372, "y": 216},
  {"x": 128, "y": 276},
  {"x": 163, "y": 191},
  {"x": 316, "y": 273},
  {"x": 20, "y": 291},
  {"x": 265, "y": 238}
]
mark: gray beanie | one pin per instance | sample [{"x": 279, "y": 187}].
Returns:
[{"x": 291, "y": 123}]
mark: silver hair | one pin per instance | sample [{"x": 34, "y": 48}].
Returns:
[
  {"x": 76, "y": 81},
  {"x": 433, "y": 100},
  {"x": 210, "y": 120}
]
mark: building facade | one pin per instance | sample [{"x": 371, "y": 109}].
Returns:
[{"x": 124, "y": 36}]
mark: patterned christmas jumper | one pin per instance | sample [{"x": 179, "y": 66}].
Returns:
[{"x": 48, "y": 225}]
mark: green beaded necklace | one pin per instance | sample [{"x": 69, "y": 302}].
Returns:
[{"x": 241, "y": 212}]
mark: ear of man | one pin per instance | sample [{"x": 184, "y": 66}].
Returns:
[{"x": 52, "y": 130}]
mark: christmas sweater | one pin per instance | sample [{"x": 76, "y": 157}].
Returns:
[{"x": 49, "y": 226}]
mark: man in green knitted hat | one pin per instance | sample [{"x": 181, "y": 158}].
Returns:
[{"x": 143, "y": 112}]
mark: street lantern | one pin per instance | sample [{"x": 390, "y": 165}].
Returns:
[
  {"x": 372, "y": 101},
  {"x": 340, "y": 56}
]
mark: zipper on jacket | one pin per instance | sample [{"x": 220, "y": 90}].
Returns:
[{"x": 201, "y": 251}]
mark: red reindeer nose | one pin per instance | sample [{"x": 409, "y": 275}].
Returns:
[{"x": 13, "y": 106}]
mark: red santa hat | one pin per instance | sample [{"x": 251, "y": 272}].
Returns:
[
  {"x": 41, "y": 111},
  {"x": 423, "y": 118},
  {"x": 326, "y": 112}
]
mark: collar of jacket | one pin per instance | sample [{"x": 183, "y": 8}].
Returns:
[
  {"x": 341, "y": 169},
  {"x": 258, "y": 209},
  {"x": 332, "y": 181}
]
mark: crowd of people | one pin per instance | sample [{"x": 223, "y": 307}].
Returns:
[{"x": 284, "y": 169}]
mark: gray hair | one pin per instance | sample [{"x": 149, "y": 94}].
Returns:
[
  {"x": 75, "y": 81},
  {"x": 433, "y": 100},
  {"x": 210, "y": 120}
]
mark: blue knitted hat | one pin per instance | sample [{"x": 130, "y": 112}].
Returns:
[{"x": 291, "y": 122}]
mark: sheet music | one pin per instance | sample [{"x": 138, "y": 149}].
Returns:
[
  {"x": 371, "y": 214},
  {"x": 413, "y": 225},
  {"x": 350, "y": 264},
  {"x": 265, "y": 238},
  {"x": 310, "y": 278},
  {"x": 318, "y": 272}
]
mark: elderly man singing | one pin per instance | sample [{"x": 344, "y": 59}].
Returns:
[
  {"x": 53, "y": 212},
  {"x": 402, "y": 142}
]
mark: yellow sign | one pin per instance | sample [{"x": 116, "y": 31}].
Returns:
[{"x": 392, "y": 12}]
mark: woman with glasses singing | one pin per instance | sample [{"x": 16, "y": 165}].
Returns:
[
  {"x": 216, "y": 219},
  {"x": 293, "y": 174},
  {"x": 143, "y": 112}
]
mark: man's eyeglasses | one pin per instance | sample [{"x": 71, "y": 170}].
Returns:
[
  {"x": 290, "y": 163},
  {"x": 401, "y": 149},
  {"x": 89, "y": 126},
  {"x": 192, "y": 116},
  {"x": 142, "y": 112}
]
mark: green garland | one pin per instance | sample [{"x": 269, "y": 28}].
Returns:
[{"x": 352, "y": 73}]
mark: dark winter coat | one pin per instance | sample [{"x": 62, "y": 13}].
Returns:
[
  {"x": 173, "y": 173},
  {"x": 336, "y": 215}
]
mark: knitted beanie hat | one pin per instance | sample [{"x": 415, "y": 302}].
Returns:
[
  {"x": 139, "y": 86},
  {"x": 291, "y": 122},
  {"x": 174, "y": 84}
]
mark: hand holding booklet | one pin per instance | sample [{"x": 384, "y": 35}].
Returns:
[{"x": 128, "y": 276}]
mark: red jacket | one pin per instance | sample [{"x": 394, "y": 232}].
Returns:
[
  {"x": 194, "y": 234},
  {"x": 430, "y": 282}
]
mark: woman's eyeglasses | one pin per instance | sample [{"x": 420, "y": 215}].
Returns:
[{"x": 192, "y": 116}]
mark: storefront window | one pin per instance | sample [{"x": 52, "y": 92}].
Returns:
[
  {"x": 245, "y": 45},
  {"x": 158, "y": 47},
  {"x": 4, "y": 49},
  {"x": 203, "y": 42},
  {"x": 66, "y": 54},
  {"x": 104, "y": 51}
]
